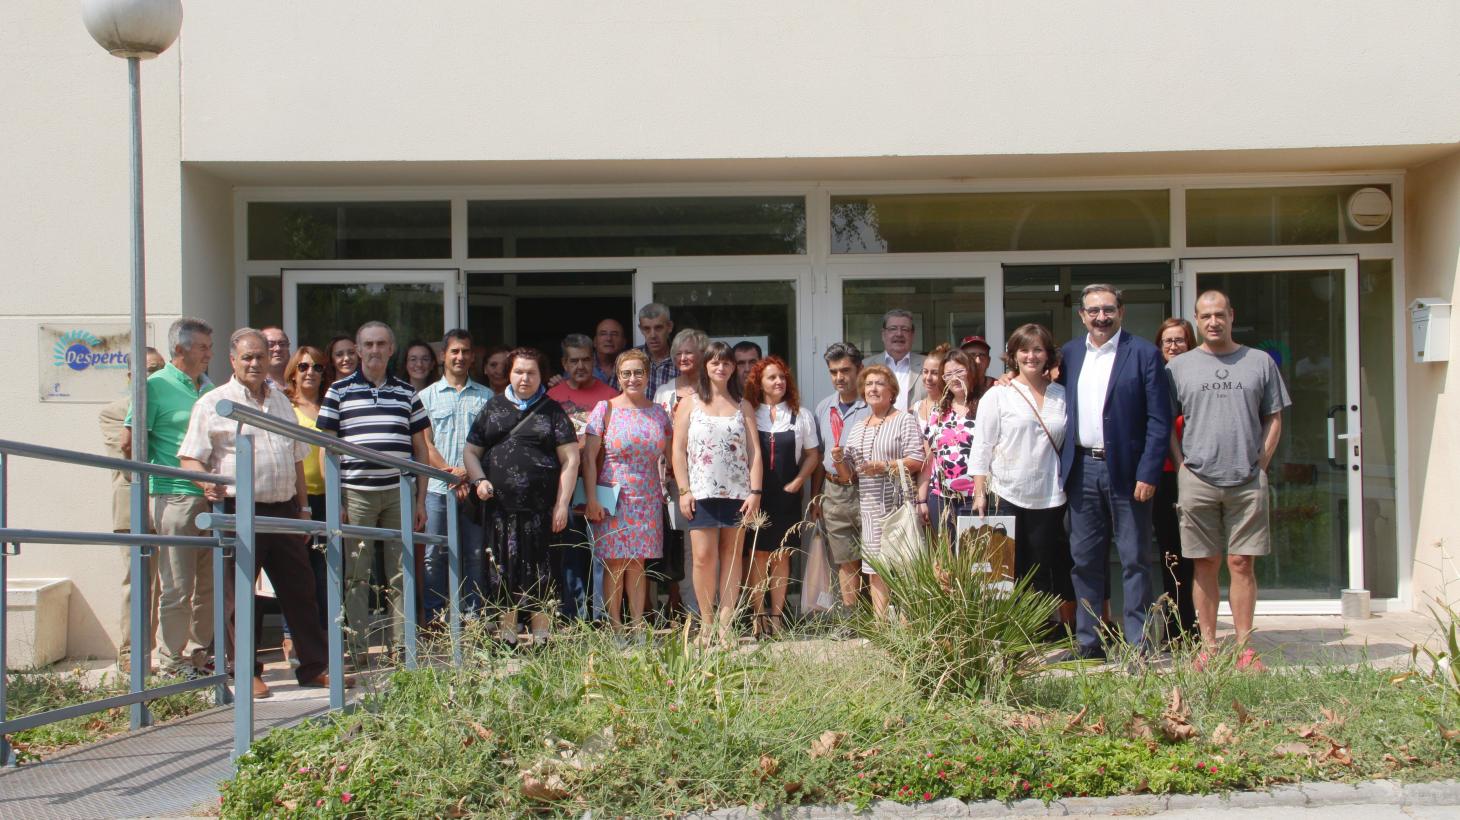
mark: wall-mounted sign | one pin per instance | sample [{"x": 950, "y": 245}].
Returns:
[{"x": 85, "y": 362}]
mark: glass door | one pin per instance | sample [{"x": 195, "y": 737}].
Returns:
[
  {"x": 1303, "y": 312},
  {"x": 734, "y": 303},
  {"x": 948, "y": 300},
  {"x": 322, "y": 304}
]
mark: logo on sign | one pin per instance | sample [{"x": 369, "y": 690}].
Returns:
[{"x": 77, "y": 350}]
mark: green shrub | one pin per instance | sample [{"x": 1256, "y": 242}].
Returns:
[{"x": 952, "y": 629}]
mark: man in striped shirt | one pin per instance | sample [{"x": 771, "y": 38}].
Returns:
[{"x": 381, "y": 412}]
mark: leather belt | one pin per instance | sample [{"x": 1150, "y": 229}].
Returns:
[
  {"x": 833, "y": 480},
  {"x": 1097, "y": 453}
]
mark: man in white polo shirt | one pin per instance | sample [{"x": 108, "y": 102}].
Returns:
[{"x": 381, "y": 412}]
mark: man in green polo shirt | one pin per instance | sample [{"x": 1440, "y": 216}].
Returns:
[{"x": 186, "y": 606}]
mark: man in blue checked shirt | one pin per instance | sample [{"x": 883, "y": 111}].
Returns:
[{"x": 452, "y": 404}]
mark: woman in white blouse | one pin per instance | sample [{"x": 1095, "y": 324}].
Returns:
[
  {"x": 1017, "y": 436},
  {"x": 789, "y": 455}
]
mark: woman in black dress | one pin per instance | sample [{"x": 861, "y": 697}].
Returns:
[
  {"x": 789, "y": 455},
  {"x": 522, "y": 460}
]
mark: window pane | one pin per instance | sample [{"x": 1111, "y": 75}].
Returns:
[
  {"x": 349, "y": 230},
  {"x": 763, "y": 312},
  {"x": 1376, "y": 387},
  {"x": 538, "y": 309},
  {"x": 265, "y": 301},
  {"x": 1024, "y": 221},
  {"x": 944, "y": 310},
  {"x": 1315, "y": 215},
  {"x": 679, "y": 226},
  {"x": 1049, "y": 295}
]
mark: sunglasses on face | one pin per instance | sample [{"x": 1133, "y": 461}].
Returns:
[{"x": 305, "y": 367}]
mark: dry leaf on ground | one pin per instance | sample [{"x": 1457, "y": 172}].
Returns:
[
  {"x": 1140, "y": 728},
  {"x": 1448, "y": 734},
  {"x": 827, "y": 743},
  {"x": 1076, "y": 719},
  {"x": 1336, "y": 754},
  {"x": 1175, "y": 722},
  {"x": 793, "y": 787},
  {"x": 1291, "y": 749},
  {"x": 1026, "y": 722},
  {"x": 1222, "y": 735},
  {"x": 767, "y": 767},
  {"x": 548, "y": 789}
]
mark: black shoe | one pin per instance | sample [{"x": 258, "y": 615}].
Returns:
[{"x": 1079, "y": 653}]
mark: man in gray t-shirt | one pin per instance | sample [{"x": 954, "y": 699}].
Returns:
[{"x": 1231, "y": 399}]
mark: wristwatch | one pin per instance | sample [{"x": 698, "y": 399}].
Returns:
[{"x": 684, "y": 491}]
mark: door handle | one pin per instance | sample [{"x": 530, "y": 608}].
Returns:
[{"x": 1333, "y": 436}]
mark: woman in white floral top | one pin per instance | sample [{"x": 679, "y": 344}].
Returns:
[{"x": 717, "y": 469}]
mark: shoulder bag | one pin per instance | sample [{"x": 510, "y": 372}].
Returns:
[{"x": 607, "y": 496}]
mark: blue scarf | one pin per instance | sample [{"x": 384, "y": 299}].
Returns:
[{"x": 511, "y": 395}]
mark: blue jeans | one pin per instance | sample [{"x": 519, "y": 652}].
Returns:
[
  {"x": 1098, "y": 514},
  {"x": 574, "y": 569},
  {"x": 473, "y": 559}
]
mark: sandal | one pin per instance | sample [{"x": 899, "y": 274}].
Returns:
[{"x": 1249, "y": 662}]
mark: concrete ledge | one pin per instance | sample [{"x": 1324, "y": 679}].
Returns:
[{"x": 1309, "y": 795}]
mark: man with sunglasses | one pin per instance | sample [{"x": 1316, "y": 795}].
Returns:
[{"x": 1119, "y": 420}]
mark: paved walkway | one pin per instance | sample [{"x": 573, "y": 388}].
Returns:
[{"x": 175, "y": 769}]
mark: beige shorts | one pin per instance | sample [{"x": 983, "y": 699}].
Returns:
[
  {"x": 1217, "y": 520},
  {"x": 842, "y": 519}
]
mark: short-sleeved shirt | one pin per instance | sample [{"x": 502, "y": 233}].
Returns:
[
  {"x": 850, "y": 415},
  {"x": 523, "y": 466},
  {"x": 213, "y": 440},
  {"x": 171, "y": 395},
  {"x": 1224, "y": 399},
  {"x": 803, "y": 425},
  {"x": 382, "y": 418},
  {"x": 452, "y": 412},
  {"x": 579, "y": 402}
]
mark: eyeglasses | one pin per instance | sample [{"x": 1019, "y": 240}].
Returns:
[
  {"x": 1108, "y": 310},
  {"x": 279, "y": 343},
  {"x": 1173, "y": 343},
  {"x": 305, "y": 367},
  {"x": 898, "y": 328},
  {"x": 949, "y": 375}
]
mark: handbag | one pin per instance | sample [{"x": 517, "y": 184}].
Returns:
[
  {"x": 816, "y": 577},
  {"x": 903, "y": 538},
  {"x": 607, "y": 495}
]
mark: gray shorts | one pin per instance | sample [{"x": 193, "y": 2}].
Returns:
[
  {"x": 842, "y": 519},
  {"x": 1215, "y": 520}
]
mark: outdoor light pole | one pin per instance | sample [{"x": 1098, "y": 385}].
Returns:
[{"x": 137, "y": 30}]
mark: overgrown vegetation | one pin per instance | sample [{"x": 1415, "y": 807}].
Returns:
[
  {"x": 27, "y": 693},
  {"x": 671, "y": 728}
]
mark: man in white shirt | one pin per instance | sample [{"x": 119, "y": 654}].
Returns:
[
  {"x": 907, "y": 366},
  {"x": 1119, "y": 417},
  {"x": 210, "y": 445}
]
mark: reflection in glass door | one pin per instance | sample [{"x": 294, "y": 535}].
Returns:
[
  {"x": 732, "y": 303},
  {"x": 1302, "y": 312},
  {"x": 319, "y": 305}
]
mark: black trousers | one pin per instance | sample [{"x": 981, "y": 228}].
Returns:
[
  {"x": 1041, "y": 548},
  {"x": 1175, "y": 571},
  {"x": 285, "y": 557}
]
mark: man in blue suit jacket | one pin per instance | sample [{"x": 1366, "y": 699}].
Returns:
[{"x": 1110, "y": 462}]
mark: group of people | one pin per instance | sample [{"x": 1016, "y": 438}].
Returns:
[{"x": 693, "y": 463}]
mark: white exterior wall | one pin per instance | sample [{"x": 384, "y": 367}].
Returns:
[{"x": 665, "y": 79}]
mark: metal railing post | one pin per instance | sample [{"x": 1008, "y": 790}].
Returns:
[
  {"x": 7, "y": 755},
  {"x": 408, "y": 564},
  {"x": 453, "y": 558},
  {"x": 143, "y": 629},
  {"x": 221, "y": 695},
  {"x": 335, "y": 568},
  {"x": 243, "y": 602}
]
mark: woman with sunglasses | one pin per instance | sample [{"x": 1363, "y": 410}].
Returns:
[{"x": 304, "y": 384}]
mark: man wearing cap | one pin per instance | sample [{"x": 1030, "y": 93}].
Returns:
[{"x": 978, "y": 353}]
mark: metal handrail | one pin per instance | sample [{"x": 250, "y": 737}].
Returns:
[
  {"x": 11, "y": 538},
  {"x": 263, "y": 523},
  {"x": 230, "y": 409}
]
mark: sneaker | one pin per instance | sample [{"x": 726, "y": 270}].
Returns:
[
  {"x": 1249, "y": 662},
  {"x": 260, "y": 689}
]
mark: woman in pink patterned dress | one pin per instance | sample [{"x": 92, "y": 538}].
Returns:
[
  {"x": 627, "y": 439},
  {"x": 945, "y": 486}
]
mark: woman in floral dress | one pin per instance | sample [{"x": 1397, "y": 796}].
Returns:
[
  {"x": 945, "y": 486},
  {"x": 627, "y": 439}
]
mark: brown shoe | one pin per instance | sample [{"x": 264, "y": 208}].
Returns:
[
  {"x": 260, "y": 689},
  {"x": 323, "y": 682}
]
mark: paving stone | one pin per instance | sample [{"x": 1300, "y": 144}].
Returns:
[
  {"x": 1034, "y": 808},
  {"x": 1175, "y": 802},
  {"x": 1134, "y": 804},
  {"x": 1288, "y": 795}
]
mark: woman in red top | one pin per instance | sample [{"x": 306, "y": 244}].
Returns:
[{"x": 1174, "y": 338}]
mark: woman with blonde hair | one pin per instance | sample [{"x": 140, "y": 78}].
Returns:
[{"x": 884, "y": 451}]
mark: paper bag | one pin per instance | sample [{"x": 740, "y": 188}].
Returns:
[{"x": 995, "y": 534}]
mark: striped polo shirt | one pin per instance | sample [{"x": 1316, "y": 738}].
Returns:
[{"x": 382, "y": 418}]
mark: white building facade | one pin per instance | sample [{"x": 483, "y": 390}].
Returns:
[{"x": 778, "y": 171}]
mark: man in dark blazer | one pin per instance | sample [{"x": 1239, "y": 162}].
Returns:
[{"x": 1115, "y": 444}]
